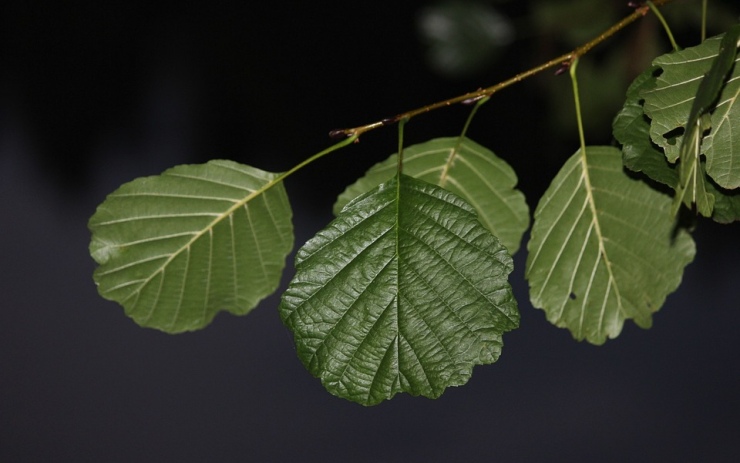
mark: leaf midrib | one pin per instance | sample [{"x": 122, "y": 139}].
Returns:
[
  {"x": 600, "y": 238},
  {"x": 218, "y": 218}
]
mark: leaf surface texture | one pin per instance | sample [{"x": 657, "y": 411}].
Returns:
[
  {"x": 604, "y": 248},
  {"x": 670, "y": 101},
  {"x": 175, "y": 249},
  {"x": 405, "y": 291}
]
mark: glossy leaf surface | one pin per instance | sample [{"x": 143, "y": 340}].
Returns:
[
  {"x": 175, "y": 249},
  {"x": 405, "y": 291},
  {"x": 604, "y": 248},
  {"x": 465, "y": 168}
]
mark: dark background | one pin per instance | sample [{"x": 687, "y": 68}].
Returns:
[{"x": 96, "y": 94}]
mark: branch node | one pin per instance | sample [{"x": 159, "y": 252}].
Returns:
[{"x": 340, "y": 133}]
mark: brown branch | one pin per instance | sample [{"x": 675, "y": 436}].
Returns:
[{"x": 562, "y": 60}]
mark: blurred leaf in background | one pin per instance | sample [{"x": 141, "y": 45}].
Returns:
[{"x": 463, "y": 38}]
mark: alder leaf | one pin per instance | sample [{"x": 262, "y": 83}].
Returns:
[
  {"x": 722, "y": 145},
  {"x": 177, "y": 248},
  {"x": 604, "y": 248},
  {"x": 639, "y": 154},
  {"x": 632, "y": 130},
  {"x": 692, "y": 189},
  {"x": 669, "y": 104},
  {"x": 465, "y": 168},
  {"x": 405, "y": 291},
  {"x": 726, "y": 203}
]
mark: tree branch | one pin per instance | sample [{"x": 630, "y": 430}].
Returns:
[{"x": 470, "y": 97}]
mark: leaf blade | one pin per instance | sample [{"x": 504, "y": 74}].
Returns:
[
  {"x": 694, "y": 81},
  {"x": 632, "y": 130},
  {"x": 177, "y": 248},
  {"x": 601, "y": 249},
  {"x": 405, "y": 291}
]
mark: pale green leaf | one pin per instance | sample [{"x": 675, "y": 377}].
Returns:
[
  {"x": 465, "y": 168},
  {"x": 177, "y": 248},
  {"x": 722, "y": 145},
  {"x": 669, "y": 106},
  {"x": 604, "y": 248},
  {"x": 405, "y": 291},
  {"x": 692, "y": 187}
]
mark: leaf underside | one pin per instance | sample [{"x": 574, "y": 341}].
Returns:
[
  {"x": 632, "y": 129},
  {"x": 465, "y": 168},
  {"x": 177, "y": 248},
  {"x": 669, "y": 103},
  {"x": 405, "y": 291},
  {"x": 604, "y": 248}
]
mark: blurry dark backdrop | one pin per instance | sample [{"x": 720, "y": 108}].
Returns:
[{"x": 93, "y": 94}]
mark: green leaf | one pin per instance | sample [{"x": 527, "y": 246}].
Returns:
[
  {"x": 692, "y": 188},
  {"x": 726, "y": 204},
  {"x": 722, "y": 145},
  {"x": 692, "y": 183},
  {"x": 632, "y": 130},
  {"x": 465, "y": 168},
  {"x": 405, "y": 291},
  {"x": 604, "y": 248},
  {"x": 670, "y": 102},
  {"x": 175, "y": 249}
]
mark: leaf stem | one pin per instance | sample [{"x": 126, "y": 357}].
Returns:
[
  {"x": 577, "y": 100},
  {"x": 480, "y": 102},
  {"x": 657, "y": 13},
  {"x": 469, "y": 97},
  {"x": 401, "y": 125},
  {"x": 703, "y": 20},
  {"x": 315, "y": 157}
]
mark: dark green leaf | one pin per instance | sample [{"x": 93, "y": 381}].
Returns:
[
  {"x": 726, "y": 203},
  {"x": 632, "y": 129},
  {"x": 175, "y": 249},
  {"x": 404, "y": 291}
]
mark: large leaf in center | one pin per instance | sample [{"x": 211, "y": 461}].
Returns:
[
  {"x": 604, "y": 248},
  {"x": 404, "y": 291}
]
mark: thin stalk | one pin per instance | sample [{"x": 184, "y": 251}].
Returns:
[
  {"x": 454, "y": 152},
  {"x": 703, "y": 20},
  {"x": 562, "y": 60},
  {"x": 313, "y": 158},
  {"x": 401, "y": 125},
  {"x": 657, "y": 13},
  {"x": 577, "y": 100},
  {"x": 478, "y": 104}
]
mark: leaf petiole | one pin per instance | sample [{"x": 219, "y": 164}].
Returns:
[
  {"x": 315, "y": 157},
  {"x": 657, "y": 13},
  {"x": 577, "y": 101}
]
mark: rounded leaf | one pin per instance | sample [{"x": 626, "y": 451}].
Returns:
[
  {"x": 405, "y": 291},
  {"x": 177, "y": 248},
  {"x": 604, "y": 248}
]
